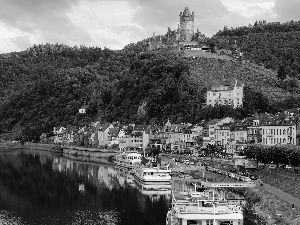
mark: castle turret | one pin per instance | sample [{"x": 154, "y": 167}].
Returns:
[{"x": 186, "y": 25}]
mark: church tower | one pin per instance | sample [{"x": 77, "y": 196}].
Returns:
[{"x": 186, "y": 25}]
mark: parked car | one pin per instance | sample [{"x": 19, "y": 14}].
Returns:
[
  {"x": 186, "y": 161},
  {"x": 191, "y": 163}
]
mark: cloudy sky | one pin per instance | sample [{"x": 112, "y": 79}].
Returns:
[{"x": 115, "y": 23}]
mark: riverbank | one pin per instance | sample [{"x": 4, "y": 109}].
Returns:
[
  {"x": 70, "y": 151},
  {"x": 262, "y": 204}
]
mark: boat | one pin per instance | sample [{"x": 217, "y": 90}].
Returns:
[
  {"x": 128, "y": 160},
  {"x": 154, "y": 191},
  {"x": 205, "y": 208},
  {"x": 152, "y": 172}
]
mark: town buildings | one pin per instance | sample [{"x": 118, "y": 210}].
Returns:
[
  {"x": 232, "y": 136},
  {"x": 273, "y": 134}
]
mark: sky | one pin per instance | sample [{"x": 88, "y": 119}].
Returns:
[{"x": 116, "y": 23}]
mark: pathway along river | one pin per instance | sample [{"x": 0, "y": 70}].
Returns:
[{"x": 43, "y": 189}]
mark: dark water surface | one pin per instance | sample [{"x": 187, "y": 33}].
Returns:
[{"x": 41, "y": 188}]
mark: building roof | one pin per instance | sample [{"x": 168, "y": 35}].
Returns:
[
  {"x": 212, "y": 122},
  {"x": 104, "y": 126},
  {"x": 140, "y": 128},
  {"x": 84, "y": 107},
  {"x": 186, "y": 12},
  {"x": 226, "y": 83},
  {"x": 114, "y": 131}
]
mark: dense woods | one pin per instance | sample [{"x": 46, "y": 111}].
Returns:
[
  {"x": 46, "y": 85},
  {"x": 269, "y": 44}
]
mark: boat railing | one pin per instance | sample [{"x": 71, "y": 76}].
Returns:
[{"x": 184, "y": 207}]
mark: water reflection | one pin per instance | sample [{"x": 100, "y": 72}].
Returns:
[{"x": 40, "y": 188}]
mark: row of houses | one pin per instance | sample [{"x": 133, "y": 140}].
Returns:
[{"x": 231, "y": 134}]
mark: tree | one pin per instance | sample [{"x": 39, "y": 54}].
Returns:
[
  {"x": 281, "y": 73},
  {"x": 212, "y": 47}
]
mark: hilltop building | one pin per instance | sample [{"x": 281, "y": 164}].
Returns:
[
  {"x": 226, "y": 94},
  {"x": 184, "y": 37},
  {"x": 186, "y": 29},
  {"x": 83, "y": 109}
]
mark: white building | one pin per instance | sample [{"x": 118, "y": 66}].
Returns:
[
  {"x": 226, "y": 95},
  {"x": 278, "y": 134},
  {"x": 83, "y": 109},
  {"x": 212, "y": 126}
]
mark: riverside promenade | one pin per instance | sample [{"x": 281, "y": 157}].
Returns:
[{"x": 283, "y": 195}]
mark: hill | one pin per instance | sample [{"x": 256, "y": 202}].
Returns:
[
  {"x": 267, "y": 44},
  {"x": 46, "y": 85}
]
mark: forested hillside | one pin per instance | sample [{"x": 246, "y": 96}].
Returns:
[
  {"x": 268, "y": 44},
  {"x": 45, "y": 87}
]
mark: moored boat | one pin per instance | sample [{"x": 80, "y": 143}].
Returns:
[
  {"x": 202, "y": 208},
  {"x": 152, "y": 172},
  {"x": 154, "y": 190},
  {"x": 128, "y": 160}
]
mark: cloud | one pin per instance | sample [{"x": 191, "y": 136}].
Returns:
[
  {"x": 287, "y": 10},
  {"x": 115, "y": 23},
  {"x": 47, "y": 20},
  {"x": 251, "y": 9},
  {"x": 210, "y": 15},
  {"x": 21, "y": 42}
]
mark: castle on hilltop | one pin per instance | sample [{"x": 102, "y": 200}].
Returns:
[
  {"x": 182, "y": 37},
  {"x": 186, "y": 28}
]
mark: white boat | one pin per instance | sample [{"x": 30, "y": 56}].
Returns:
[
  {"x": 155, "y": 191},
  {"x": 152, "y": 173},
  {"x": 202, "y": 208},
  {"x": 128, "y": 160}
]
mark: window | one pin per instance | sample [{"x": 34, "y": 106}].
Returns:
[
  {"x": 192, "y": 222},
  {"x": 209, "y": 222}
]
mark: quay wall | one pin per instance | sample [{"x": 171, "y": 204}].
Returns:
[
  {"x": 88, "y": 152},
  {"x": 71, "y": 151}
]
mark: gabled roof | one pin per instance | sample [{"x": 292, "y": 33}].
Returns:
[
  {"x": 114, "y": 131},
  {"x": 103, "y": 127},
  {"x": 84, "y": 107}
]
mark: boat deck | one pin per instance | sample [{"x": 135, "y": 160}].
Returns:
[{"x": 200, "y": 202}]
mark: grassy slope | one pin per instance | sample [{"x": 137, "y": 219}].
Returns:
[{"x": 208, "y": 71}]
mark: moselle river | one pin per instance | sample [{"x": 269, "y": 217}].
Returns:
[{"x": 45, "y": 189}]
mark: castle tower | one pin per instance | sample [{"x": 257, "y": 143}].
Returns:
[{"x": 186, "y": 25}]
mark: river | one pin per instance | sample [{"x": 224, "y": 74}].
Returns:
[{"x": 40, "y": 188}]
